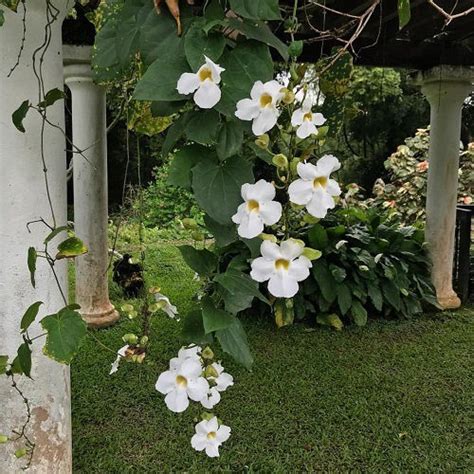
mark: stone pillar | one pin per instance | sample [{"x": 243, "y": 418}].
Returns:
[
  {"x": 89, "y": 134},
  {"x": 22, "y": 199},
  {"x": 446, "y": 88}
]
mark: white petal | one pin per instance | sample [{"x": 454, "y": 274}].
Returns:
[
  {"x": 270, "y": 250},
  {"x": 299, "y": 269},
  {"x": 318, "y": 119},
  {"x": 197, "y": 389},
  {"x": 265, "y": 121},
  {"x": 300, "y": 191},
  {"x": 251, "y": 225},
  {"x": 274, "y": 89},
  {"x": 201, "y": 428},
  {"x": 216, "y": 70},
  {"x": 212, "y": 449},
  {"x": 261, "y": 191},
  {"x": 224, "y": 381},
  {"x": 190, "y": 351},
  {"x": 177, "y": 401},
  {"x": 115, "y": 365},
  {"x": 305, "y": 130},
  {"x": 207, "y": 95},
  {"x": 262, "y": 269},
  {"x": 290, "y": 249},
  {"x": 319, "y": 204},
  {"x": 211, "y": 399},
  {"x": 257, "y": 90},
  {"x": 307, "y": 171},
  {"x": 212, "y": 424},
  {"x": 187, "y": 83},
  {"x": 171, "y": 310},
  {"x": 327, "y": 164},
  {"x": 199, "y": 442},
  {"x": 247, "y": 109},
  {"x": 270, "y": 212},
  {"x": 282, "y": 285},
  {"x": 333, "y": 188},
  {"x": 240, "y": 214},
  {"x": 166, "y": 382},
  {"x": 191, "y": 368},
  {"x": 223, "y": 433},
  {"x": 307, "y": 104},
  {"x": 297, "y": 117}
]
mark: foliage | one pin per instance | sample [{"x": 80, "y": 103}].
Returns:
[{"x": 404, "y": 192}]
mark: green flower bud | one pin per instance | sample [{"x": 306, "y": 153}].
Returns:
[
  {"x": 210, "y": 372},
  {"x": 130, "y": 338},
  {"x": 144, "y": 341},
  {"x": 263, "y": 141},
  {"x": 288, "y": 96},
  {"x": 311, "y": 254},
  {"x": 3, "y": 439},
  {"x": 189, "y": 223},
  {"x": 270, "y": 237},
  {"x": 132, "y": 315},
  {"x": 294, "y": 164},
  {"x": 198, "y": 236},
  {"x": 127, "y": 308},
  {"x": 19, "y": 453},
  {"x": 207, "y": 353},
  {"x": 154, "y": 289},
  {"x": 295, "y": 49},
  {"x": 154, "y": 307},
  {"x": 280, "y": 160}
]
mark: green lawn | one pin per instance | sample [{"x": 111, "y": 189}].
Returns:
[{"x": 391, "y": 397}]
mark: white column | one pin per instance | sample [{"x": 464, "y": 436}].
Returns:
[
  {"x": 446, "y": 88},
  {"x": 90, "y": 187},
  {"x": 23, "y": 199}
]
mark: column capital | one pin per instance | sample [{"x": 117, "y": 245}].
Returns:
[{"x": 77, "y": 64}]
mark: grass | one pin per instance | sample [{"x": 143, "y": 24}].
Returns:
[{"x": 391, "y": 397}]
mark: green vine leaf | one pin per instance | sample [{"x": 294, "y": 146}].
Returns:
[
  {"x": 213, "y": 318},
  {"x": 203, "y": 126},
  {"x": 22, "y": 362},
  {"x": 71, "y": 248},
  {"x": 404, "y": 13},
  {"x": 32, "y": 256},
  {"x": 30, "y": 316},
  {"x": 256, "y": 10},
  {"x": 233, "y": 340},
  {"x": 229, "y": 140},
  {"x": 51, "y": 97},
  {"x": 183, "y": 161},
  {"x": 11, "y": 4},
  {"x": 193, "y": 329},
  {"x": 55, "y": 232},
  {"x": 202, "y": 261},
  {"x": 19, "y": 115},
  {"x": 66, "y": 331}
]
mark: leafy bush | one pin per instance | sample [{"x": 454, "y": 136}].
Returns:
[
  {"x": 405, "y": 193},
  {"x": 370, "y": 265}
]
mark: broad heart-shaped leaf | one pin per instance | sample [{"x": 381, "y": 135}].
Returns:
[
  {"x": 31, "y": 261},
  {"x": 247, "y": 63},
  {"x": 29, "y": 316},
  {"x": 19, "y": 115},
  {"x": 359, "y": 313},
  {"x": 202, "y": 261},
  {"x": 217, "y": 186},
  {"x": 165, "y": 109},
  {"x": 233, "y": 340},
  {"x": 259, "y": 30},
  {"x": 51, "y": 97},
  {"x": 66, "y": 331},
  {"x": 213, "y": 318},
  {"x": 193, "y": 329},
  {"x": 256, "y": 9},
  {"x": 198, "y": 44},
  {"x": 160, "y": 80},
  {"x": 239, "y": 290},
  {"x": 404, "y": 13},
  {"x": 22, "y": 362},
  {"x": 229, "y": 139},
  {"x": 202, "y": 126},
  {"x": 223, "y": 234},
  {"x": 183, "y": 162},
  {"x": 70, "y": 248},
  {"x": 174, "y": 133}
]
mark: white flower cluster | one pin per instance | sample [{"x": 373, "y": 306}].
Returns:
[{"x": 191, "y": 376}]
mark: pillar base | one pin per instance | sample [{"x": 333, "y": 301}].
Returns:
[
  {"x": 449, "y": 301},
  {"x": 101, "y": 319}
]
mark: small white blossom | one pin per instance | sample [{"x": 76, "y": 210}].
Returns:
[
  {"x": 181, "y": 384},
  {"x": 165, "y": 305},
  {"x": 306, "y": 120},
  {"x": 315, "y": 189},
  {"x": 258, "y": 210},
  {"x": 115, "y": 365},
  {"x": 212, "y": 398},
  {"x": 203, "y": 83},
  {"x": 262, "y": 107},
  {"x": 283, "y": 266},
  {"x": 189, "y": 352},
  {"x": 340, "y": 244},
  {"x": 219, "y": 383},
  {"x": 209, "y": 436}
]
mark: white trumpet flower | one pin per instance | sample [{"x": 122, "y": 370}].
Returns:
[
  {"x": 165, "y": 305},
  {"x": 306, "y": 120},
  {"x": 283, "y": 266},
  {"x": 262, "y": 107},
  {"x": 258, "y": 210},
  {"x": 181, "y": 384},
  {"x": 203, "y": 83},
  {"x": 115, "y": 365},
  {"x": 220, "y": 381},
  {"x": 190, "y": 352},
  {"x": 315, "y": 189},
  {"x": 209, "y": 436}
]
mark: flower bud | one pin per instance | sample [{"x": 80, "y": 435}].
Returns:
[
  {"x": 127, "y": 308},
  {"x": 154, "y": 289},
  {"x": 198, "y": 236},
  {"x": 210, "y": 372},
  {"x": 281, "y": 161},
  {"x": 270, "y": 237},
  {"x": 130, "y": 338},
  {"x": 144, "y": 341},
  {"x": 189, "y": 223},
  {"x": 132, "y": 315},
  {"x": 207, "y": 353},
  {"x": 288, "y": 96},
  {"x": 311, "y": 254},
  {"x": 153, "y": 308},
  {"x": 295, "y": 49},
  {"x": 262, "y": 141},
  {"x": 294, "y": 164}
]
